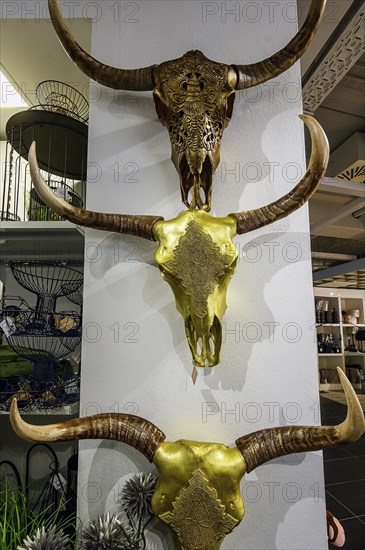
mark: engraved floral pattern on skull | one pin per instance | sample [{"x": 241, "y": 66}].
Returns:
[
  {"x": 198, "y": 516},
  {"x": 193, "y": 86},
  {"x": 194, "y": 100},
  {"x": 199, "y": 264}
]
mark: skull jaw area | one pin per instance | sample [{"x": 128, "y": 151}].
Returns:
[{"x": 205, "y": 341}]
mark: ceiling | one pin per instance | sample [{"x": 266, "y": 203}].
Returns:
[{"x": 333, "y": 88}]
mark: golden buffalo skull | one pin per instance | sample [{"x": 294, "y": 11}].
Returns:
[
  {"x": 196, "y": 254},
  {"x": 193, "y": 96},
  {"x": 198, "y": 494}
]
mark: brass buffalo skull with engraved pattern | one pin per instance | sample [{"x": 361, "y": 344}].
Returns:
[
  {"x": 193, "y": 97},
  {"x": 196, "y": 254},
  {"x": 198, "y": 494}
]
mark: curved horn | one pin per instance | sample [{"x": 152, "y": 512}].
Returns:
[
  {"x": 257, "y": 73},
  {"x": 253, "y": 219},
  {"x": 119, "y": 79},
  {"x": 133, "y": 430},
  {"x": 142, "y": 226},
  {"x": 264, "y": 445}
]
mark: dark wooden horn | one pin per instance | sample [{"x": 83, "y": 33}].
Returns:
[
  {"x": 264, "y": 445},
  {"x": 118, "y": 79},
  {"x": 142, "y": 226},
  {"x": 257, "y": 73},
  {"x": 253, "y": 219},
  {"x": 133, "y": 430}
]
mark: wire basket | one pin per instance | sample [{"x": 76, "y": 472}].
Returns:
[
  {"x": 44, "y": 395},
  {"x": 46, "y": 280},
  {"x": 43, "y": 337},
  {"x": 39, "y": 211},
  {"x": 11, "y": 306},
  {"x": 6, "y": 216},
  {"x": 38, "y": 335},
  {"x": 15, "y": 387},
  {"x": 76, "y": 296},
  {"x": 62, "y": 98}
]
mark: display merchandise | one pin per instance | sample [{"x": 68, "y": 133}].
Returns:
[
  {"x": 198, "y": 492},
  {"x": 193, "y": 96},
  {"x": 196, "y": 254},
  {"x": 42, "y": 334}
]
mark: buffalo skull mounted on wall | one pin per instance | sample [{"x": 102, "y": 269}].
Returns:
[
  {"x": 196, "y": 254},
  {"x": 198, "y": 494},
  {"x": 193, "y": 97}
]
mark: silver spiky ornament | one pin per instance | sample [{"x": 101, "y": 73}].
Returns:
[
  {"x": 43, "y": 539},
  {"x": 137, "y": 495},
  {"x": 108, "y": 533}
]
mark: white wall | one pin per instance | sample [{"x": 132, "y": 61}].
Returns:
[{"x": 145, "y": 368}]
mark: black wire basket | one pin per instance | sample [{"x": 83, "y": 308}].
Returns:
[
  {"x": 43, "y": 337},
  {"x": 76, "y": 296},
  {"x": 57, "y": 392},
  {"x": 7, "y": 216},
  {"x": 39, "y": 211},
  {"x": 11, "y": 306},
  {"x": 47, "y": 280},
  {"x": 62, "y": 98}
]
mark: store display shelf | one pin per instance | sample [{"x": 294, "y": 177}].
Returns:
[
  {"x": 330, "y": 387},
  {"x": 66, "y": 410},
  {"x": 328, "y": 325},
  {"x": 331, "y": 354}
]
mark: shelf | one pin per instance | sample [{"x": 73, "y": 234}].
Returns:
[
  {"x": 318, "y": 325},
  {"x": 343, "y": 333},
  {"x": 67, "y": 410},
  {"x": 330, "y": 387},
  {"x": 58, "y": 240}
]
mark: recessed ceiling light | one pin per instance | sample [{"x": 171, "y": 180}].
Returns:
[{"x": 10, "y": 97}]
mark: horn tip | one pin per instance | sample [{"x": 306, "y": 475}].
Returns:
[
  {"x": 32, "y": 148},
  {"x": 14, "y": 405},
  {"x": 305, "y": 118},
  {"x": 343, "y": 378},
  {"x": 354, "y": 425}
]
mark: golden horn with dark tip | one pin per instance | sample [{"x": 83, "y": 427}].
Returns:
[
  {"x": 118, "y": 79},
  {"x": 254, "y": 219},
  {"x": 142, "y": 226},
  {"x": 281, "y": 61},
  {"x": 133, "y": 430},
  {"x": 264, "y": 445}
]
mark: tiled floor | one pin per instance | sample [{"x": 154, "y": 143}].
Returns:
[{"x": 344, "y": 470}]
